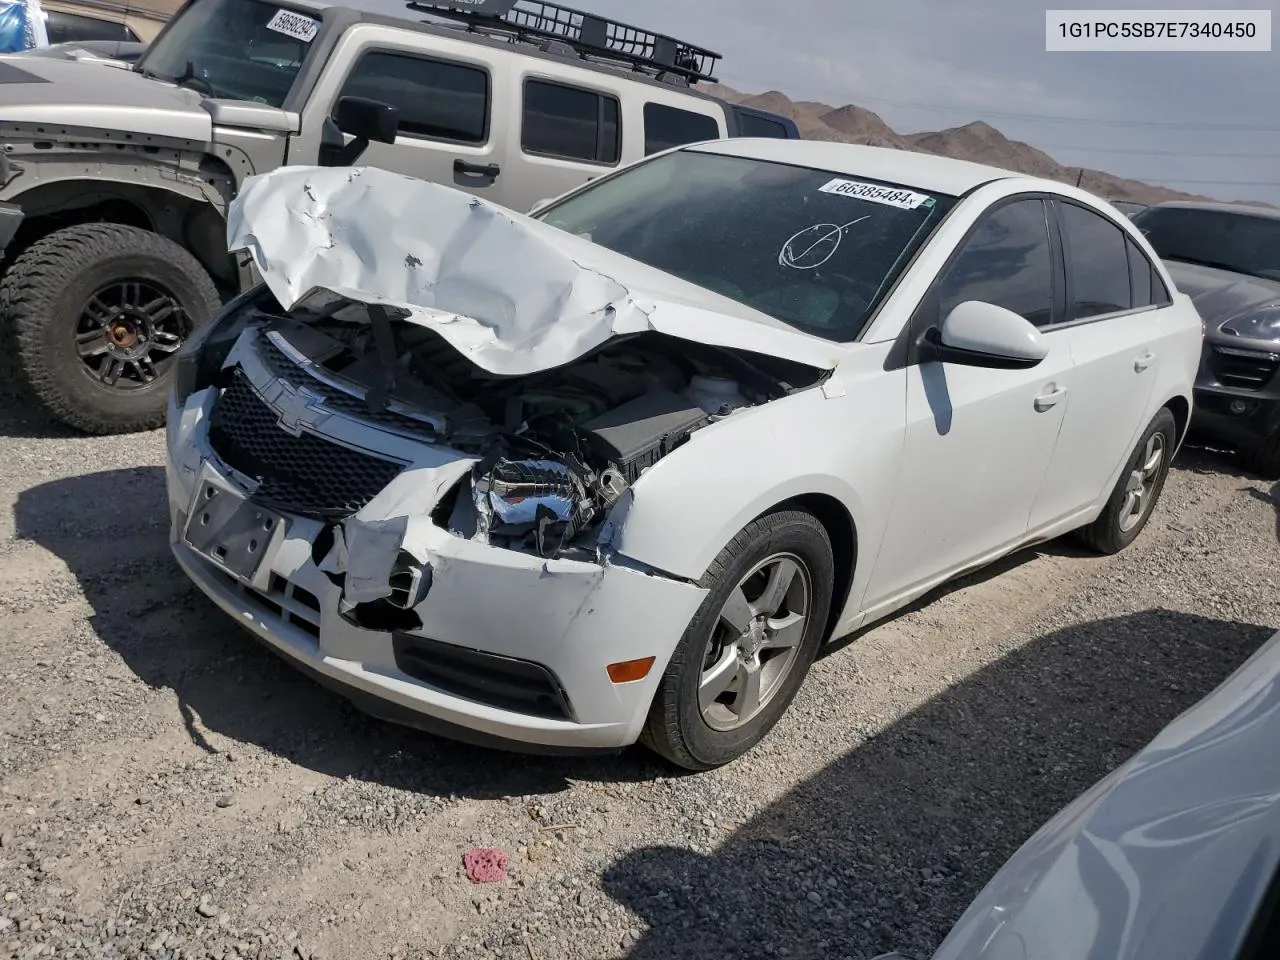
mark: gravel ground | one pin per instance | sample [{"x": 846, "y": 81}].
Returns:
[{"x": 168, "y": 789}]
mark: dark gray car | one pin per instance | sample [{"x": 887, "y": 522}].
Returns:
[{"x": 1226, "y": 257}]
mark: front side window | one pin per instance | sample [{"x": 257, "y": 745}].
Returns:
[
  {"x": 438, "y": 99},
  {"x": 1238, "y": 242},
  {"x": 570, "y": 123},
  {"x": 1006, "y": 261},
  {"x": 814, "y": 249},
  {"x": 233, "y": 49},
  {"x": 70, "y": 28},
  {"x": 1099, "y": 260},
  {"x": 666, "y": 127}
]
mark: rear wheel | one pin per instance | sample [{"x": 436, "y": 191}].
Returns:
[
  {"x": 99, "y": 311},
  {"x": 1138, "y": 489},
  {"x": 749, "y": 646}
]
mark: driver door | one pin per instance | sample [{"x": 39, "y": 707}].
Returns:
[{"x": 978, "y": 440}]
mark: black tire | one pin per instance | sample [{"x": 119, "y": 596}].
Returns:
[
  {"x": 1263, "y": 458},
  {"x": 1108, "y": 534},
  {"x": 676, "y": 728},
  {"x": 46, "y": 298}
]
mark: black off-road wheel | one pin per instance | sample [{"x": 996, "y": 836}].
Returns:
[
  {"x": 1138, "y": 489},
  {"x": 1262, "y": 458},
  {"x": 98, "y": 312},
  {"x": 749, "y": 646}
]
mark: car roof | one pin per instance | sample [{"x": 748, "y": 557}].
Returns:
[
  {"x": 1242, "y": 209},
  {"x": 924, "y": 171}
]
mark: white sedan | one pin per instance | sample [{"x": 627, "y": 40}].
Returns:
[{"x": 616, "y": 471}]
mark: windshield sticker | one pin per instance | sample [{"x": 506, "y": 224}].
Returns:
[
  {"x": 294, "y": 25},
  {"x": 811, "y": 247},
  {"x": 903, "y": 199}
]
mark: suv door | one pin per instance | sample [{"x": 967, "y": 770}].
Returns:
[
  {"x": 1117, "y": 320},
  {"x": 978, "y": 441},
  {"x": 454, "y": 115}
]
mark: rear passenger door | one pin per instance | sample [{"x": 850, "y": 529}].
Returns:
[
  {"x": 451, "y": 97},
  {"x": 1117, "y": 321},
  {"x": 568, "y": 131}
]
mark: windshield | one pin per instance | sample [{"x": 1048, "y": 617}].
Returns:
[
  {"x": 1237, "y": 242},
  {"x": 815, "y": 249},
  {"x": 233, "y": 49}
]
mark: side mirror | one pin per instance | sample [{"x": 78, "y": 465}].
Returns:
[
  {"x": 363, "y": 119},
  {"x": 979, "y": 334}
]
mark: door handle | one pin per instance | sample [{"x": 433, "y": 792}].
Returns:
[
  {"x": 1143, "y": 360},
  {"x": 490, "y": 170},
  {"x": 1050, "y": 399}
]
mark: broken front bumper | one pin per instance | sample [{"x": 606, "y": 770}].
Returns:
[{"x": 512, "y": 648}]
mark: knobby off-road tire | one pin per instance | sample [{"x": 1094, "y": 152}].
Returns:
[
  {"x": 697, "y": 735},
  {"x": 1119, "y": 525},
  {"x": 98, "y": 311}
]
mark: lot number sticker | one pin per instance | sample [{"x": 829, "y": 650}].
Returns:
[
  {"x": 904, "y": 199},
  {"x": 294, "y": 25}
]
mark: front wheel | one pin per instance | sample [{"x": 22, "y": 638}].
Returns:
[
  {"x": 1138, "y": 489},
  {"x": 749, "y": 646},
  {"x": 99, "y": 311}
]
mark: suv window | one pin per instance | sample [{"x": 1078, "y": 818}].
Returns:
[
  {"x": 1099, "y": 263},
  {"x": 666, "y": 127},
  {"x": 438, "y": 99},
  {"x": 1007, "y": 261},
  {"x": 750, "y": 125},
  {"x": 570, "y": 123},
  {"x": 70, "y": 28}
]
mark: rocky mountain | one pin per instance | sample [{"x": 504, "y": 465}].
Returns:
[{"x": 977, "y": 141}]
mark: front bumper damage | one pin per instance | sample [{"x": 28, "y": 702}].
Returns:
[{"x": 512, "y": 648}]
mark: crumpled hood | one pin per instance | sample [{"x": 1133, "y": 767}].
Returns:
[
  {"x": 1165, "y": 859},
  {"x": 1220, "y": 295},
  {"x": 78, "y": 93},
  {"x": 511, "y": 293}
]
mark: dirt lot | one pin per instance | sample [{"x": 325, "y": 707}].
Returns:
[{"x": 168, "y": 789}]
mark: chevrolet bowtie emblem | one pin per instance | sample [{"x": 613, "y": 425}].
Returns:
[{"x": 298, "y": 407}]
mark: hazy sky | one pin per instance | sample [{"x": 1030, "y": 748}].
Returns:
[{"x": 930, "y": 64}]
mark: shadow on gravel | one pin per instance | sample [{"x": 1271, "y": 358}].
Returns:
[
  {"x": 21, "y": 419},
  {"x": 111, "y": 529},
  {"x": 886, "y": 847}
]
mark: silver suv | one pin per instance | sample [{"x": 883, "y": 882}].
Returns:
[{"x": 115, "y": 176}]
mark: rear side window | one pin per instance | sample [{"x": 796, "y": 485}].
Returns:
[
  {"x": 1007, "y": 261},
  {"x": 438, "y": 99},
  {"x": 1140, "y": 275},
  {"x": 1098, "y": 252},
  {"x": 666, "y": 127},
  {"x": 570, "y": 123},
  {"x": 69, "y": 28},
  {"x": 751, "y": 125}
]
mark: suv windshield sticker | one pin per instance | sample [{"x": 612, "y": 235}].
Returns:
[
  {"x": 905, "y": 199},
  {"x": 294, "y": 25}
]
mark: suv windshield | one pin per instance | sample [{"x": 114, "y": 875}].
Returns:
[
  {"x": 1238, "y": 242},
  {"x": 233, "y": 49},
  {"x": 814, "y": 249}
]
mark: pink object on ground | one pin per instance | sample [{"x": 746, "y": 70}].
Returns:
[{"x": 485, "y": 865}]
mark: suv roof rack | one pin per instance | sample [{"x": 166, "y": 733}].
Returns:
[{"x": 586, "y": 34}]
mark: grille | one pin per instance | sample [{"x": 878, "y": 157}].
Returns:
[
  {"x": 503, "y": 682},
  {"x": 1243, "y": 369},
  {"x": 306, "y": 474}
]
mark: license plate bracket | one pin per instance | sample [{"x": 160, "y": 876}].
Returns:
[{"x": 230, "y": 530}]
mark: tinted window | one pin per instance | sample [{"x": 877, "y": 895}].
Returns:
[
  {"x": 1099, "y": 263},
  {"x": 567, "y": 122},
  {"x": 1006, "y": 261},
  {"x": 666, "y": 127},
  {"x": 437, "y": 99},
  {"x": 1239, "y": 242},
  {"x": 751, "y": 125},
  {"x": 68, "y": 28},
  {"x": 780, "y": 239},
  {"x": 1159, "y": 292},
  {"x": 1140, "y": 272}
]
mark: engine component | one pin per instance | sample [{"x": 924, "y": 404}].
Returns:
[
  {"x": 638, "y": 434},
  {"x": 542, "y": 498},
  {"x": 718, "y": 396}
]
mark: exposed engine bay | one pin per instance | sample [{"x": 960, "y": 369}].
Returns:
[{"x": 555, "y": 449}]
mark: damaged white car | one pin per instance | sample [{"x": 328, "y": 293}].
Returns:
[{"x": 616, "y": 471}]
